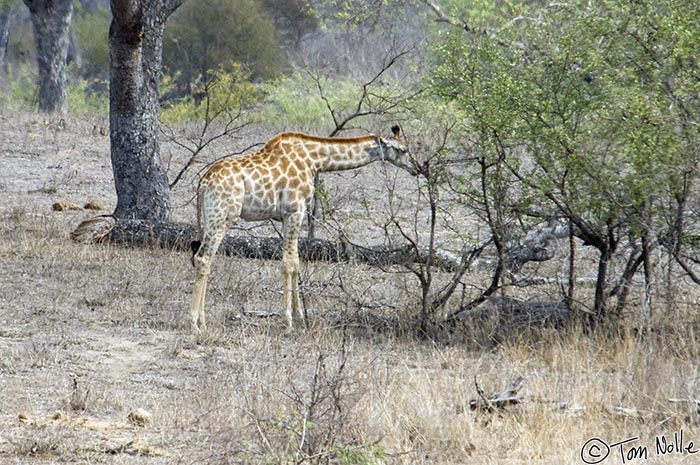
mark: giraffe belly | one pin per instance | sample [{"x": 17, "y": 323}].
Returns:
[
  {"x": 273, "y": 196},
  {"x": 260, "y": 214},
  {"x": 259, "y": 209},
  {"x": 277, "y": 207}
]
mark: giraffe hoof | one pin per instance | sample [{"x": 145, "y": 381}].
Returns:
[{"x": 198, "y": 326}]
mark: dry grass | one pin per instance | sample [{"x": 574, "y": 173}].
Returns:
[
  {"x": 244, "y": 392},
  {"x": 89, "y": 334}
]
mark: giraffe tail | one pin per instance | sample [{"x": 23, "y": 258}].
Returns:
[{"x": 194, "y": 245}]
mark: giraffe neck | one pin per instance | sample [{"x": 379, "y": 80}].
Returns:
[{"x": 343, "y": 154}]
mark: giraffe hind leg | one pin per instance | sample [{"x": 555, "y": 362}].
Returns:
[
  {"x": 202, "y": 265},
  {"x": 201, "y": 271}
]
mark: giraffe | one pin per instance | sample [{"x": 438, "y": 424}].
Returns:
[{"x": 277, "y": 183}]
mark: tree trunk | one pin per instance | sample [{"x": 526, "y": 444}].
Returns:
[
  {"x": 136, "y": 43},
  {"x": 5, "y": 21},
  {"x": 51, "y": 24},
  {"x": 600, "y": 301}
]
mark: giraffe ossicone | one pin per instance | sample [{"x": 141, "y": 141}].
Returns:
[{"x": 277, "y": 183}]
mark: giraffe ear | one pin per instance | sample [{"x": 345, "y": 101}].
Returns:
[{"x": 396, "y": 130}]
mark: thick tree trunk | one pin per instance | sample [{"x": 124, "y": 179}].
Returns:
[
  {"x": 51, "y": 24},
  {"x": 135, "y": 43}
]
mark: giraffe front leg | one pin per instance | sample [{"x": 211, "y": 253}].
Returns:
[
  {"x": 288, "y": 286},
  {"x": 292, "y": 226},
  {"x": 296, "y": 301}
]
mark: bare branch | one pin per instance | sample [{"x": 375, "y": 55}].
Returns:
[
  {"x": 363, "y": 108},
  {"x": 468, "y": 257},
  {"x": 232, "y": 123},
  {"x": 688, "y": 270}
]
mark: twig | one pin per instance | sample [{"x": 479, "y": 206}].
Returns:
[
  {"x": 503, "y": 399},
  {"x": 121, "y": 449}
]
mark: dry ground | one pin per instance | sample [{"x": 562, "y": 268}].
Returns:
[{"x": 91, "y": 334}]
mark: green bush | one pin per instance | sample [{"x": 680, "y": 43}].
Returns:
[
  {"x": 219, "y": 94},
  {"x": 297, "y": 101},
  {"x": 92, "y": 30},
  {"x": 83, "y": 98},
  {"x": 203, "y": 34},
  {"x": 21, "y": 93}
]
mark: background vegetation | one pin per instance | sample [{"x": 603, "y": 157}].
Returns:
[
  {"x": 526, "y": 119},
  {"x": 555, "y": 223}
]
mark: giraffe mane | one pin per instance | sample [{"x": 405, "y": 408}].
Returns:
[{"x": 307, "y": 137}]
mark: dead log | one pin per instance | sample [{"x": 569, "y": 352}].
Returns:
[
  {"x": 499, "y": 318},
  {"x": 538, "y": 245},
  {"x": 498, "y": 401},
  {"x": 179, "y": 236}
]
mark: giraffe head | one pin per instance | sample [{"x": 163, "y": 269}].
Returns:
[{"x": 393, "y": 150}]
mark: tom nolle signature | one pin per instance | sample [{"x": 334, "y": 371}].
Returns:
[{"x": 596, "y": 450}]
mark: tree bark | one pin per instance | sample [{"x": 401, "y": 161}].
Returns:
[
  {"x": 51, "y": 24},
  {"x": 601, "y": 297},
  {"x": 136, "y": 44},
  {"x": 5, "y": 21}
]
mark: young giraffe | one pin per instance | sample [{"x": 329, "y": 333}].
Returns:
[{"x": 276, "y": 183}]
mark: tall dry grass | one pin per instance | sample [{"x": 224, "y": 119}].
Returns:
[{"x": 346, "y": 390}]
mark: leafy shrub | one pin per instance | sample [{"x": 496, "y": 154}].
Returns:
[
  {"x": 296, "y": 101},
  {"x": 21, "y": 89},
  {"x": 84, "y": 98},
  {"x": 203, "y": 34},
  {"x": 92, "y": 32},
  {"x": 225, "y": 92}
]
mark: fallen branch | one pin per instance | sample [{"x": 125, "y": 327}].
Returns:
[
  {"x": 179, "y": 236},
  {"x": 693, "y": 402},
  {"x": 560, "y": 405},
  {"x": 509, "y": 396},
  {"x": 500, "y": 401},
  {"x": 538, "y": 246}
]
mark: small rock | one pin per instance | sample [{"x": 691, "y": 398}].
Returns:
[
  {"x": 94, "y": 205},
  {"x": 140, "y": 417},
  {"x": 63, "y": 206}
]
